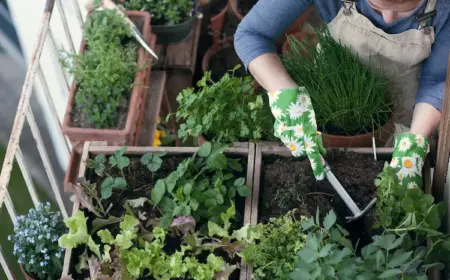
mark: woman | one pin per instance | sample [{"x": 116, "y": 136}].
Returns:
[{"x": 410, "y": 37}]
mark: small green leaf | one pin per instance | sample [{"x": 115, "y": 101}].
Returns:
[
  {"x": 390, "y": 273},
  {"x": 106, "y": 187},
  {"x": 408, "y": 204},
  {"x": 308, "y": 224},
  {"x": 325, "y": 251},
  {"x": 235, "y": 165},
  {"x": 239, "y": 182},
  {"x": 214, "y": 229},
  {"x": 158, "y": 191},
  {"x": 205, "y": 150},
  {"x": 329, "y": 220},
  {"x": 165, "y": 220},
  {"x": 299, "y": 274},
  {"x": 105, "y": 236},
  {"x": 187, "y": 189},
  {"x": 308, "y": 255},
  {"x": 380, "y": 258},
  {"x": 399, "y": 260},
  {"x": 177, "y": 210},
  {"x": 120, "y": 183},
  {"x": 244, "y": 190},
  {"x": 152, "y": 161},
  {"x": 210, "y": 202},
  {"x": 123, "y": 162},
  {"x": 194, "y": 204}
]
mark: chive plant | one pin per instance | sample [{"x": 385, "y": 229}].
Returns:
[{"x": 349, "y": 98}]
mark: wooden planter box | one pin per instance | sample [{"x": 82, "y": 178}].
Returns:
[
  {"x": 271, "y": 148},
  {"x": 127, "y": 135},
  {"x": 94, "y": 148}
]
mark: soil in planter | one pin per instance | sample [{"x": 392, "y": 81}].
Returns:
[
  {"x": 80, "y": 119},
  {"x": 288, "y": 183},
  {"x": 226, "y": 59}
]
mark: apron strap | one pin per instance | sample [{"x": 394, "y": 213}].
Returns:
[
  {"x": 426, "y": 19},
  {"x": 347, "y": 5}
]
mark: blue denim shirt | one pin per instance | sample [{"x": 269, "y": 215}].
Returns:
[{"x": 269, "y": 19}]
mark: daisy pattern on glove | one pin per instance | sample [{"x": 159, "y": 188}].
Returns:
[
  {"x": 296, "y": 126},
  {"x": 408, "y": 159}
]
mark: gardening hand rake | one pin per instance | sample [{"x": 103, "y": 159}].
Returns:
[
  {"x": 357, "y": 213},
  {"x": 108, "y": 4}
]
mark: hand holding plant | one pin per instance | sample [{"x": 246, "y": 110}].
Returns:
[{"x": 295, "y": 125}]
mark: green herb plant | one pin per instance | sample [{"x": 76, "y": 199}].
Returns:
[
  {"x": 105, "y": 71},
  {"x": 348, "y": 97},
  {"x": 167, "y": 12},
  {"x": 127, "y": 256},
  {"x": 226, "y": 111},
  {"x": 203, "y": 186},
  {"x": 327, "y": 254},
  {"x": 274, "y": 254}
]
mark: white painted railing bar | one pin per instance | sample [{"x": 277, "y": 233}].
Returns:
[
  {"x": 10, "y": 207},
  {"x": 78, "y": 13},
  {"x": 56, "y": 52},
  {"x": 50, "y": 103},
  {"x": 65, "y": 26},
  {"x": 46, "y": 161},
  {"x": 24, "y": 102},
  {"x": 27, "y": 176},
  {"x": 5, "y": 266}
]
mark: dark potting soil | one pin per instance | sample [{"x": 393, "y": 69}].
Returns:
[
  {"x": 289, "y": 183},
  {"x": 80, "y": 119},
  {"x": 244, "y": 6},
  {"x": 226, "y": 59}
]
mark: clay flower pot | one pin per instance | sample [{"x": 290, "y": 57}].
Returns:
[
  {"x": 72, "y": 170},
  {"x": 382, "y": 136},
  {"x": 214, "y": 50},
  {"x": 127, "y": 135},
  {"x": 170, "y": 34},
  {"x": 217, "y": 23},
  {"x": 25, "y": 274}
]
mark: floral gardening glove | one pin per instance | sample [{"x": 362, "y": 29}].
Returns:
[
  {"x": 408, "y": 157},
  {"x": 295, "y": 124}
]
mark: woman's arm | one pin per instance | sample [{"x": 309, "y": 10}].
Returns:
[
  {"x": 425, "y": 119},
  {"x": 270, "y": 73}
]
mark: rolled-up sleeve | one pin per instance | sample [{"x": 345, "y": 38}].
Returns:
[
  {"x": 265, "y": 23},
  {"x": 432, "y": 79}
]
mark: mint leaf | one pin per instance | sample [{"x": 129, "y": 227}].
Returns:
[{"x": 158, "y": 191}]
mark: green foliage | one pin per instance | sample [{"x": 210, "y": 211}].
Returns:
[
  {"x": 152, "y": 161},
  {"x": 140, "y": 257},
  {"x": 348, "y": 97},
  {"x": 413, "y": 213},
  {"x": 275, "y": 253},
  {"x": 167, "y": 12},
  {"x": 228, "y": 110},
  {"x": 203, "y": 186},
  {"x": 327, "y": 254},
  {"x": 105, "y": 71}
]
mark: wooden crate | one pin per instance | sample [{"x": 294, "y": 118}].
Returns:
[
  {"x": 272, "y": 148},
  {"x": 95, "y": 148}
]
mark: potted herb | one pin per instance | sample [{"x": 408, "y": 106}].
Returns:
[
  {"x": 172, "y": 20},
  {"x": 109, "y": 80},
  {"x": 228, "y": 110},
  {"x": 35, "y": 243},
  {"x": 166, "y": 213},
  {"x": 351, "y": 101}
]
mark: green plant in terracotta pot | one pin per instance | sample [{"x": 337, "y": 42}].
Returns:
[
  {"x": 172, "y": 20},
  {"x": 35, "y": 243},
  {"x": 350, "y": 99},
  {"x": 228, "y": 110}
]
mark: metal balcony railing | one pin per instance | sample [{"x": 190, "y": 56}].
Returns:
[{"x": 35, "y": 74}]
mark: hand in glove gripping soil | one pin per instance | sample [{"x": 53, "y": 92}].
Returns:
[
  {"x": 295, "y": 124},
  {"x": 408, "y": 159}
]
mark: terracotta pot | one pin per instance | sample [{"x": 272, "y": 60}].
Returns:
[
  {"x": 72, "y": 170},
  {"x": 170, "y": 34},
  {"x": 25, "y": 274},
  {"x": 382, "y": 136},
  {"x": 127, "y": 135},
  {"x": 217, "y": 23},
  {"x": 296, "y": 27},
  {"x": 201, "y": 140},
  {"x": 300, "y": 36},
  {"x": 215, "y": 49}
]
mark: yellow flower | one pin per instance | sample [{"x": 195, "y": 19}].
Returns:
[
  {"x": 156, "y": 139},
  {"x": 162, "y": 134},
  {"x": 156, "y": 142}
]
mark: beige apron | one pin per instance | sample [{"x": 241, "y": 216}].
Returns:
[{"x": 399, "y": 55}]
